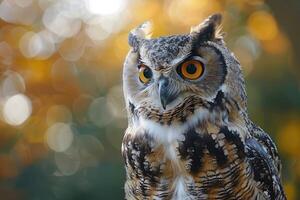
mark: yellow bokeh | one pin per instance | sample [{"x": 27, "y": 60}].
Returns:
[
  {"x": 289, "y": 138},
  {"x": 278, "y": 45},
  {"x": 262, "y": 25},
  {"x": 290, "y": 190}
]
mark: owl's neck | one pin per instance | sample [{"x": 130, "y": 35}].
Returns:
[{"x": 193, "y": 112}]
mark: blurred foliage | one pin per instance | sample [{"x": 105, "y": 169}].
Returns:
[{"x": 61, "y": 102}]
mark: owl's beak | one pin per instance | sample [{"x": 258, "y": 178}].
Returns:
[{"x": 166, "y": 93}]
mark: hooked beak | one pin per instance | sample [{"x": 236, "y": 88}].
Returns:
[{"x": 166, "y": 93}]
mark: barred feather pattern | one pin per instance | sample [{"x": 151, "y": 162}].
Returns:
[{"x": 215, "y": 159}]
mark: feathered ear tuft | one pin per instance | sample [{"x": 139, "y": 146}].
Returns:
[
  {"x": 209, "y": 29},
  {"x": 143, "y": 31}
]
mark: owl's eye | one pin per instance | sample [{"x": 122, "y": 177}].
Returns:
[
  {"x": 145, "y": 74},
  {"x": 191, "y": 69}
]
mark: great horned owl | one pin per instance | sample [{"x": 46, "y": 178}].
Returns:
[{"x": 189, "y": 135}]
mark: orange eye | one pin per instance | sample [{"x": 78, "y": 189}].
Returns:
[
  {"x": 145, "y": 74},
  {"x": 191, "y": 69}
]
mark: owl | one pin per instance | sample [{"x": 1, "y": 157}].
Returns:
[{"x": 189, "y": 135}]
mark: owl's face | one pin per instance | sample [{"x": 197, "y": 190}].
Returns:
[{"x": 164, "y": 72}]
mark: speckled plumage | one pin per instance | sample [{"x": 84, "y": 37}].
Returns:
[{"x": 202, "y": 145}]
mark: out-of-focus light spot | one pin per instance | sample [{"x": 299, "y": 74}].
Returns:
[
  {"x": 59, "y": 137},
  {"x": 58, "y": 113},
  {"x": 289, "y": 138},
  {"x": 17, "y": 109},
  {"x": 99, "y": 112},
  {"x": 55, "y": 21},
  {"x": 30, "y": 45},
  {"x": 290, "y": 190},
  {"x": 96, "y": 32},
  {"x": 116, "y": 102},
  {"x": 24, "y": 45},
  {"x": 68, "y": 162},
  {"x": 46, "y": 43},
  {"x": 55, "y": 39},
  {"x": 85, "y": 151},
  {"x": 262, "y": 25},
  {"x": 13, "y": 83},
  {"x": 38, "y": 45},
  {"x": 250, "y": 44},
  {"x": 35, "y": 45},
  {"x": 6, "y": 53},
  {"x": 99, "y": 28},
  {"x": 246, "y": 50},
  {"x": 104, "y": 7},
  {"x": 279, "y": 45},
  {"x": 74, "y": 9},
  {"x": 10, "y": 11},
  {"x": 72, "y": 49}
]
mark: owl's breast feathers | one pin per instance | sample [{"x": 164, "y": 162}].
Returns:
[{"x": 209, "y": 161}]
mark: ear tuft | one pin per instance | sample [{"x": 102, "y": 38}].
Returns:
[
  {"x": 209, "y": 29},
  {"x": 143, "y": 31}
]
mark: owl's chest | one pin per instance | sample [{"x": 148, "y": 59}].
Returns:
[{"x": 192, "y": 164}]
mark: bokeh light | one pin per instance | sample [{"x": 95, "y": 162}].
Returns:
[
  {"x": 12, "y": 83},
  {"x": 67, "y": 163},
  {"x": 263, "y": 25},
  {"x": 62, "y": 113},
  {"x": 103, "y": 7},
  {"x": 59, "y": 137},
  {"x": 289, "y": 138},
  {"x": 17, "y": 109},
  {"x": 99, "y": 112}
]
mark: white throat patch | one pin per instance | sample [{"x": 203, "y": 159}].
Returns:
[{"x": 169, "y": 136}]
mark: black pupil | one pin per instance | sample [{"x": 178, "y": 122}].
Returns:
[
  {"x": 147, "y": 73},
  {"x": 191, "y": 69}
]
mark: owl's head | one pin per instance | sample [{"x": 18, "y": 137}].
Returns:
[{"x": 162, "y": 73}]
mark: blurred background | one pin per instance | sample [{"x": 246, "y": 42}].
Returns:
[{"x": 62, "y": 114}]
